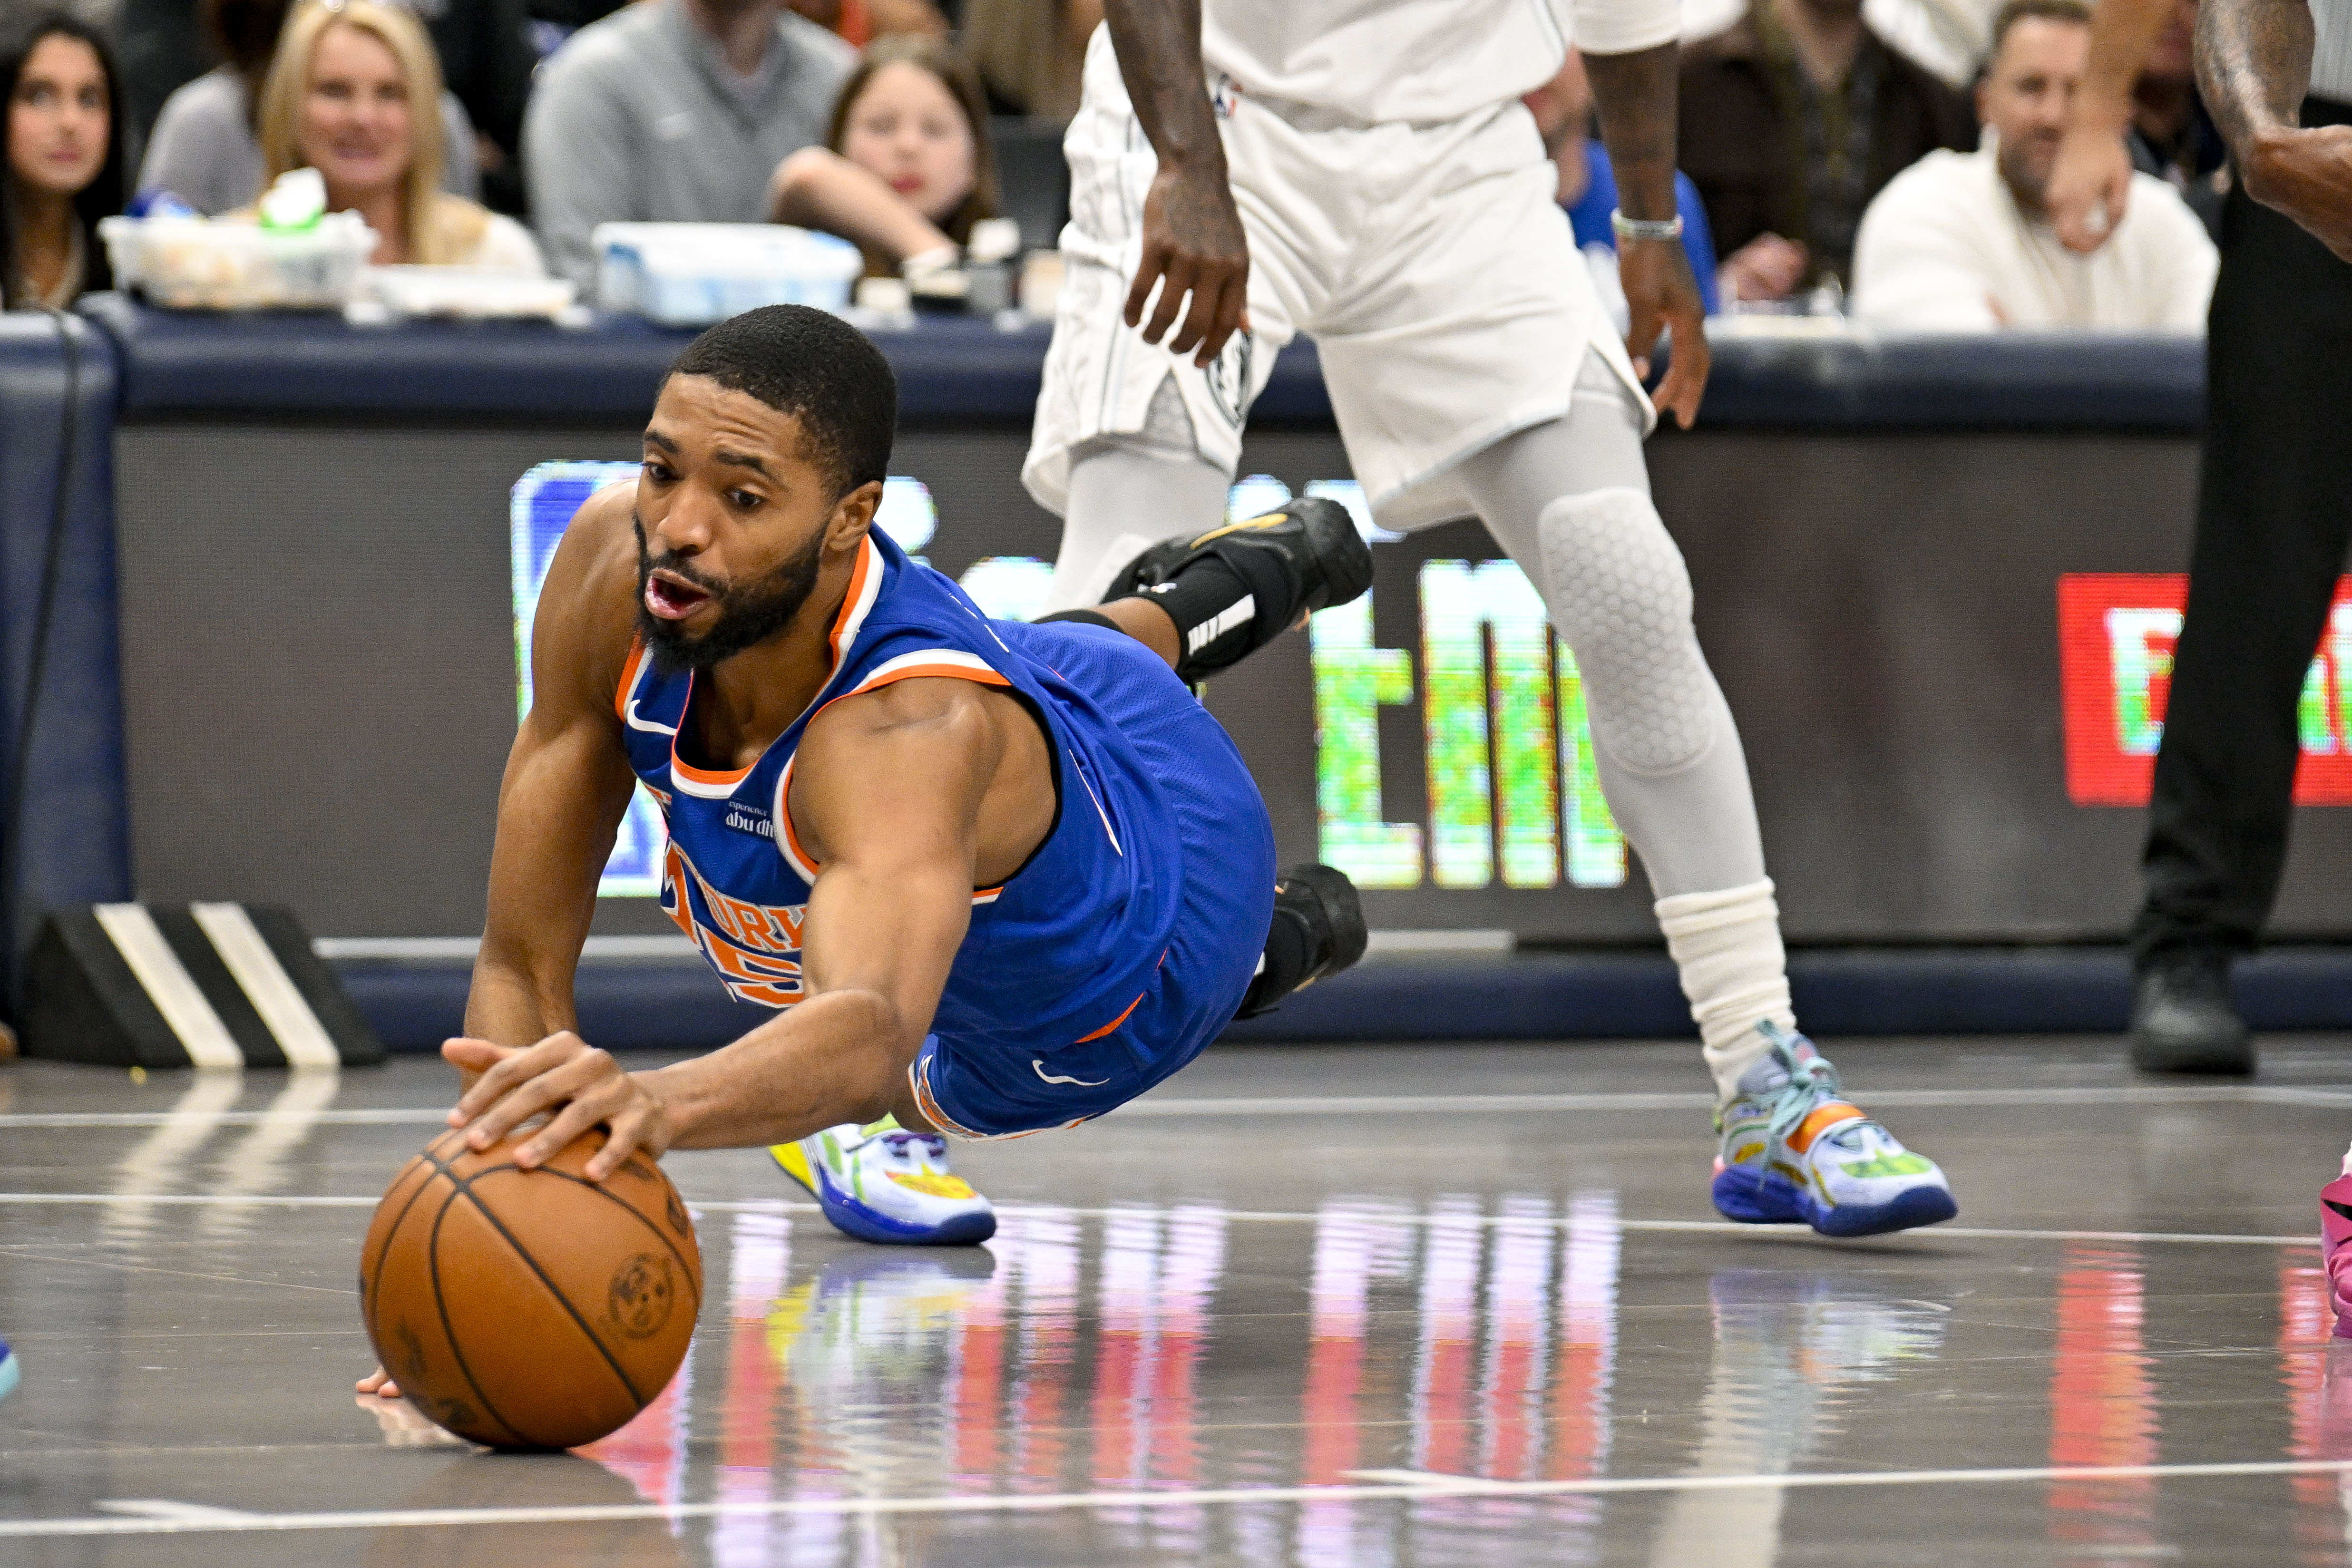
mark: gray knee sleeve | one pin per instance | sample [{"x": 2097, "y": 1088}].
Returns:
[{"x": 1622, "y": 599}]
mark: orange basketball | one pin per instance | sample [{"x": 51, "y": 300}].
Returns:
[{"x": 529, "y": 1309}]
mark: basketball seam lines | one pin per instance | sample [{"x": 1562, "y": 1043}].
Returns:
[
  {"x": 466, "y": 1187},
  {"x": 693, "y": 1270},
  {"x": 440, "y": 1305},
  {"x": 368, "y": 1286}
]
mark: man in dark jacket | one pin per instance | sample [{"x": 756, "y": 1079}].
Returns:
[{"x": 1792, "y": 120}]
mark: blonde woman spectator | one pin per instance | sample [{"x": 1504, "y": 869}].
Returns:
[
  {"x": 906, "y": 170},
  {"x": 204, "y": 149},
  {"x": 341, "y": 97}
]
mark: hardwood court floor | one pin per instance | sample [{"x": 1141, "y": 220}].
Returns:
[{"x": 1323, "y": 1306}]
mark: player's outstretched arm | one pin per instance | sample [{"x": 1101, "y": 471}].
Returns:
[
  {"x": 567, "y": 783},
  {"x": 1635, "y": 93},
  {"x": 1192, "y": 238},
  {"x": 2253, "y": 66},
  {"x": 903, "y": 798},
  {"x": 2090, "y": 185}
]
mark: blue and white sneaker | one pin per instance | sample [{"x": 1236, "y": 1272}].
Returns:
[
  {"x": 8, "y": 1373},
  {"x": 1794, "y": 1149},
  {"x": 881, "y": 1183}
]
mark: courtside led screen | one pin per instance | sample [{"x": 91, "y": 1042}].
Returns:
[
  {"x": 2116, "y": 637},
  {"x": 1512, "y": 797}
]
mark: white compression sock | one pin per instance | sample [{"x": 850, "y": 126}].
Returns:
[
  {"x": 1733, "y": 970},
  {"x": 1127, "y": 494}
]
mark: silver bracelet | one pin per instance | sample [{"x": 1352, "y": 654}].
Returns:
[{"x": 1646, "y": 228}]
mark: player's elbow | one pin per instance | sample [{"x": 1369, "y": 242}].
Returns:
[{"x": 887, "y": 1042}]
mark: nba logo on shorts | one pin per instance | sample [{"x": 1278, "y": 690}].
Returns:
[{"x": 1229, "y": 378}]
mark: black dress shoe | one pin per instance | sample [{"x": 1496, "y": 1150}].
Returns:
[{"x": 2182, "y": 1020}]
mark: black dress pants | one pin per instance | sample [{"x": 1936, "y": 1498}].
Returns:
[{"x": 2274, "y": 518}]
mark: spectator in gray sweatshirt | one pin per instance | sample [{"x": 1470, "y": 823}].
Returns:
[{"x": 673, "y": 112}]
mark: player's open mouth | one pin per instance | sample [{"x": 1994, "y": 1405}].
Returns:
[{"x": 672, "y": 598}]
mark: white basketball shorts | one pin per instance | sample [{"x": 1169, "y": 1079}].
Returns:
[{"x": 1429, "y": 261}]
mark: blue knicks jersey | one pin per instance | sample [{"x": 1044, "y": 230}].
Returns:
[{"x": 1055, "y": 955}]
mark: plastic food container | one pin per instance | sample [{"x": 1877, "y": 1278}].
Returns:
[
  {"x": 465, "y": 291},
  {"x": 207, "y": 264},
  {"x": 691, "y": 275}
]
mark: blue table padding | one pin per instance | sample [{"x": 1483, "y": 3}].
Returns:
[
  {"x": 308, "y": 364},
  {"x": 1548, "y": 996},
  {"x": 955, "y": 371},
  {"x": 75, "y": 820}
]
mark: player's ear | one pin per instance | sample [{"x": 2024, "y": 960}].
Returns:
[{"x": 853, "y": 516}]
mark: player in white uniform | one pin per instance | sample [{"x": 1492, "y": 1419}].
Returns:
[{"x": 1363, "y": 172}]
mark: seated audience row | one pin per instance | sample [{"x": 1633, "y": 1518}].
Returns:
[{"x": 1795, "y": 122}]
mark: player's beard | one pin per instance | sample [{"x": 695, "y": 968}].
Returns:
[{"x": 748, "y": 614}]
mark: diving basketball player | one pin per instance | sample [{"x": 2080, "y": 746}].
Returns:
[
  {"x": 995, "y": 878},
  {"x": 1363, "y": 172}
]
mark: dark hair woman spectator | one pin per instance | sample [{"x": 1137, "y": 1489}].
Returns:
[
  {"x": 65, "y": 161},
  {"x": 907, "y": 168}
]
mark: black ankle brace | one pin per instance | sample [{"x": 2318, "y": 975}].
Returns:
[{"x": 1215, "y": 610}]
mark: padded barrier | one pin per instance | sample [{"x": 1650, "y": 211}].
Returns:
[
  {"x": 70, "y": 843},
  {"x": 1538, "y": 995},
  {"x": 955, "y": 370}
]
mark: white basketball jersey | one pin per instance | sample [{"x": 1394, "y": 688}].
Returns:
[
  {"x": 1388, "y": 60},
  {"x": 2331, "y": 54}
]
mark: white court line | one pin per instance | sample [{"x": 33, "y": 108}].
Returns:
[
  {"x": 1397, "y": 1104},
  {"x": 1420, "y": 1487},
  {"x": 1269, "y": 1217}
]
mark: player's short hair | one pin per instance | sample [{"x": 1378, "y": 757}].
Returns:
[
  {"x": 2071, "y": 12},
  {"x": 815, "y": 367}
]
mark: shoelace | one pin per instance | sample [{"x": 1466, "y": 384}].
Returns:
[
  {"x": 933, "y": 1144},
  {"x": 1811, "y": 1082}
]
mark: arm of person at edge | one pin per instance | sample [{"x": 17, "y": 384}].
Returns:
[
  {"x": 2090, "y": 185},
  {"x": 886, "y": 799},
  {"x": 1194, "y": 244},
  {"x": 1635, "y": 95},
  {"x": 2253, "y": 67}
]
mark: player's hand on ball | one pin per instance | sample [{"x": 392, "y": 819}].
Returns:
[
  {"x": 579, "y": 1087},
  {"x": 1662, "y": 296}
]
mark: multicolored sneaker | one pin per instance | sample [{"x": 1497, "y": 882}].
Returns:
[
  {"x": 1794, "y": 1150},
  {"x": 881, "y": 1183},
  {"x": 8, "y": 1373},
  {"x": 2336, "y": 1248}
]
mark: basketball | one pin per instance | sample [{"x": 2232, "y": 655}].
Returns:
[{"x": 529, "y": 1309}]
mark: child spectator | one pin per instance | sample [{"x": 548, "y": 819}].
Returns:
[
  {"x": 1962, "y": 241},
  {"x": 906, "y": 169},
  {"x": 204, "y": 148},
  {"x": 340, "y": 98},
  {"x": 65, "y": 161}
]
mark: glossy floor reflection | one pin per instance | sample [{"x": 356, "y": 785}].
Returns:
[{"x": 1316, "y": 1306}]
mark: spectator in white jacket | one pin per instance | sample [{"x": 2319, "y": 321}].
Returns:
[{"x": 1961, "y": 242}]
